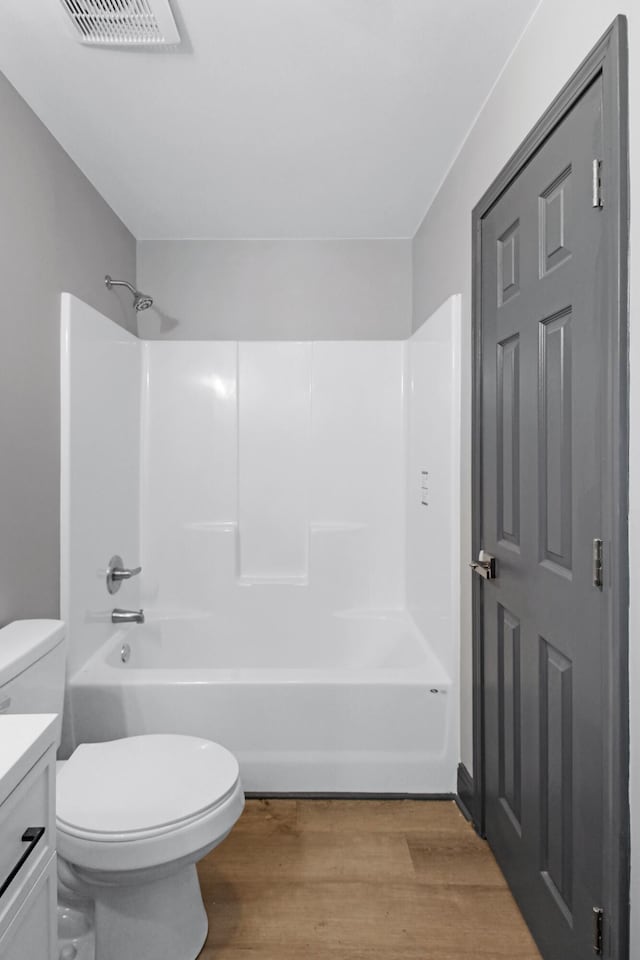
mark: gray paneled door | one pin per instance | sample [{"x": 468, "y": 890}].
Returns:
[{"x": 543, "y": 378}]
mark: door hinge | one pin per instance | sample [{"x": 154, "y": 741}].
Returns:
[
  {"x": 598, "y": 922},
  {"x": 596, "y": 199},
  {"x": 598, "y": 563}
]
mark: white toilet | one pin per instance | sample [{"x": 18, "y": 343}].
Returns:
[{"x": 133, "y": 815}]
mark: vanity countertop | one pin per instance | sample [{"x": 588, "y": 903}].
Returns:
[{"x": 24, "y": 737}]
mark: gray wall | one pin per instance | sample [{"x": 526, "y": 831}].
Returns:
[
  {"x": 560, "y": 35},
  {"x": 56, "y": 233},
  {"x": 276, "y": 289}
]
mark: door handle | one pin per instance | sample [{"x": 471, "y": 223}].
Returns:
[{"x": 485, "y": 566}]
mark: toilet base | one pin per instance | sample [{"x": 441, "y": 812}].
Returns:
[
  {"x": 75, "y": 932},
  {"x": 163, "y": 919}
]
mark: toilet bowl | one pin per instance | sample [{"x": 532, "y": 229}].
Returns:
[{"x": 134, "y": 816}]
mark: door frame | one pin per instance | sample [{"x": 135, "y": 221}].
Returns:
[{"x": 608, "y": 59}]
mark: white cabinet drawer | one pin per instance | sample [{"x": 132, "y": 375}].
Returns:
[
  {"x": 32, "y": 934},
  {"x": 31, "y": 804}
]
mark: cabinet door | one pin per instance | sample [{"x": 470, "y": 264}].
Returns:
[
  {"x": 30, "y": 804},
  {"x": 32, "y": 933}
]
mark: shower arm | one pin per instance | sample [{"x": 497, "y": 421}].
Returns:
[{"x": 108, "y": 282}]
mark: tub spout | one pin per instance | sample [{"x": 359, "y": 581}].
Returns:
[{"x": 127, "y": 616}]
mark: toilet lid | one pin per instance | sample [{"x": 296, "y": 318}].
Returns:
[{"x": 142, "y": 783}]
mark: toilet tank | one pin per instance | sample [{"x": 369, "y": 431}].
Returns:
[{"x": 32, "y": 668}]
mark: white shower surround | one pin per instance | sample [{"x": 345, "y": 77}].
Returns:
[{"x": 301, "y": 599}]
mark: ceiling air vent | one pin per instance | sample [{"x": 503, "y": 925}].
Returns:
[{"x": 123, "y": 23}]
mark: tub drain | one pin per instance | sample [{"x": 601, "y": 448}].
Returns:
[{"x": 125, "y": 652}]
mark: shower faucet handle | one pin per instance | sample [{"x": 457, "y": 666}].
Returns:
[
  {"x": 117, "y": 572},
  {"x": 125, "y": 573}
]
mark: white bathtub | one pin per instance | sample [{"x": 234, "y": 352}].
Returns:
[{"x": 355, "y": 703}]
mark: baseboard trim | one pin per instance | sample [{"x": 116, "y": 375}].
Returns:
[
  {"x": 295, "y": 795},
  {"x": 466, "y": 793}
]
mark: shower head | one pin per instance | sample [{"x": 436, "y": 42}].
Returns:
[{"x": 140, "y": 300}]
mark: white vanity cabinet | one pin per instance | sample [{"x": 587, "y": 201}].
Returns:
[{"x": 28, "y": 877}]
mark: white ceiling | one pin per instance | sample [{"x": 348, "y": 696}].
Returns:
[{"x": 277, "y": 118}]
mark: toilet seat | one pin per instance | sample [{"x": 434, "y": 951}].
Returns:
[
  {"x": 142, "y": 785},
  {"x": 142, "y": 801}
]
